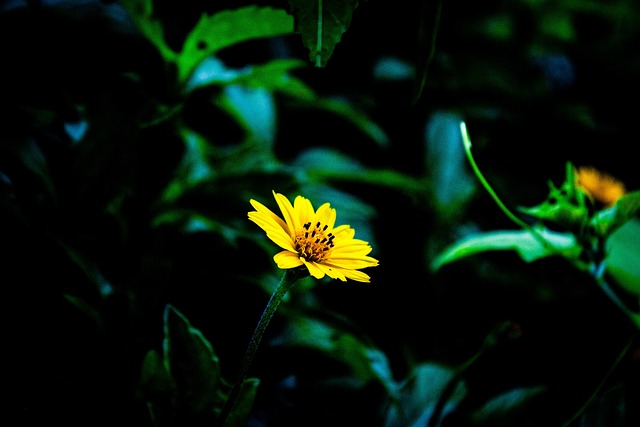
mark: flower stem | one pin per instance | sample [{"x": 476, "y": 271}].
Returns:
[
  {"x": 290, "y": 277},
  {"x": 467, "y": 148}
]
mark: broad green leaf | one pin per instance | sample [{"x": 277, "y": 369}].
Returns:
[
  {"x": 193, "y": 366},
  {"x": 530, "y": 247},
  {"x": 321, "y": 24},
  {"x": 623, "y": 256},
  {"x": 141, "y": 12},
  {"x": 607, "y": 221},
  {"x": 227, "y": 28}
]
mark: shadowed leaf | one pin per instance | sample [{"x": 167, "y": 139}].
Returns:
[{"x": 321, "y": 24}]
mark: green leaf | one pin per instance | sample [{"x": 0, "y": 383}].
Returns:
[
  {"x": 244, "y": 404},
  {"x": 141, "y": 12},
  {"x": 607, "y": 221},
  {"x": 227, "y": 28},
  {"x": 321, "y": 24},
  {"x": 194, "y": 167},
  {"x": 254, "y": 109},
  {"x": 193, "y": 366},
  {"x": 418, "y": 395},
  {"x": 323, "y": 164},
  {"x": 351, "y": 113},
  {"x": 365, "y": 362},
  {"x": 530, "y": 247},
  {"x": 446, "y": 166},
  {"x": 154, "y": 378},
  {"x": 504, "y": 409},
  {"x": 155, "y": 387},
  {"x": 273, "y": 76},
  {"x": 623, "y": 255}
]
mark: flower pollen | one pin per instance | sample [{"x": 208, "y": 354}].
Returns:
[{"x": 313, "y": 244}]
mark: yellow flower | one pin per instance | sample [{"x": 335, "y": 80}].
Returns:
[
  {"x": 309, "y": 238},
  {"x": 599, "y": 186}
]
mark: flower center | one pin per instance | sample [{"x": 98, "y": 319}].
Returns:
[{"x": 313, "y": 243}]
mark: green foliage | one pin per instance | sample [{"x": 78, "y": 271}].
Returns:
[
  {"x": 322, "y": 24},
  {"x": 227, "y": 28},
  {"x": 136, "y": 132},
  {"x": 531, "y": 245},
  {"x": 185, "y": 382}
]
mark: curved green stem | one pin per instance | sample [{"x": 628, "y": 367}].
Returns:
[
  {"x": 290, "y": 277},
  {"x": 467, "y": 148}
]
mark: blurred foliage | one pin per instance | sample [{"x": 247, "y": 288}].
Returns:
[{"x": 135, "y": 132}]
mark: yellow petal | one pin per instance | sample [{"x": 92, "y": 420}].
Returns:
[
  {"x": 274, "y": 232},
  {"x": 266, "y": 212},
  {"x": 356, "y": 275},
  {"x": 326, "y": 215},
  {"x": 334, "y": 273},
  {"x": 286, "y": 260},
  {"x": 352, "y": 263},
  {"x": 352, "y": 247},
  {"x": 313, "y": 269},
  {"x": 288, "y": 213},
  {"x": 344, "y": 232},
  {"x": 303, "y": 209}
]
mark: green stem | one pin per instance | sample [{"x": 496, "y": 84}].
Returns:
[
  {"x": 290, "y": 277},
  {"x": 467, "y": 148}
]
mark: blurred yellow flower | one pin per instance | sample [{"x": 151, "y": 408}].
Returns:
[
  {"x": 599, "y": 186},
  {"x": 309, "y": 238}
]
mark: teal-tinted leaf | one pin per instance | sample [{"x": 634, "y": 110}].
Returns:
[
  {"x": 366, "y": 363},
  {"x": 446, "y": 165},
  {"x": 141, "y": 12},
  {"x": 273, "y": 76},
  {"x": 193, "y": 366},
  {"x": 530, "y": 247},
  {"x": 391, "y": 69},
  {"x": 503, "y": 410},
  {"x": 623, "y": 256},
  {"x": 254, "y": 109},
  {"x": 243, "y": 405},
  {"x": 227, "y": 28},
  {"x": 321, "y": 24},
  {"x": 418, "y": 395}
]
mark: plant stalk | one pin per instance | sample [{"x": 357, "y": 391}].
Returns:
[{"x": 290, "y": 277}]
